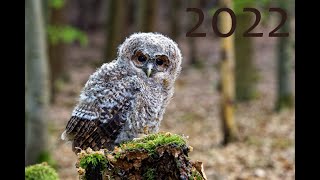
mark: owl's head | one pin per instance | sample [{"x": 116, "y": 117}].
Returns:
[{"x": 153, "y": 55}]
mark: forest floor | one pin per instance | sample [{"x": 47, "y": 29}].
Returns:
[{"x": 266, "y": 149}]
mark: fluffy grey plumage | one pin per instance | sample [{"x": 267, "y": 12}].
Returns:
[{"x": 128, "y": 96}]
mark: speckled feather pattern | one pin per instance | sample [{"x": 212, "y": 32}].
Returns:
[{"x": 119, "y": 101}]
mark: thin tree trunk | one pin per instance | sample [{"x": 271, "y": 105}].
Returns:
[
  {"x": 227, "y": 78},
  {"x": 56, "y": 53},
  {"x": 193, "y": 52},
  {"x": 130, "y": 16},
  {"x": 246, "y": 73},
  {"x": 284, "y": 90},
  {"x": 174, "y": 18},
  {"x": 88, "y": 19},
  {"x": 147, "y": 15},
  {"x": 114, "y": 28},
  {"x": 37, "y": 84}
]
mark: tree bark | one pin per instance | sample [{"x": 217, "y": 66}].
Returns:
[
  {"x": 174, "y": 20},
  {"x": 147, "y": 15},
  {"x": 88, "y": 19},
  {"x": 56, "y": 53},
  {"x": 246, "y": 73},
  {"x": 193, "y": 52},
  {"x": 230, "y": 131},
  {"x": 284, "y": 86},
  {"x": 37, "y": 83},
  {"x": 114, "y": 28}
]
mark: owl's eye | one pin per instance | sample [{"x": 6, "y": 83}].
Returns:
[
  {"x": 159, "y": 62},
  {"x": 142, "y": 58},
  {"x": 139, "y": 58},
  {"x": 162, "y": 63}
]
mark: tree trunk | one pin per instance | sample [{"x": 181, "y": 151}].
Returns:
[
  {"x": 193, "y": 53},
  {"x": 147, "y": 15},
  {"x": 246, "y": 73},
  {"x": 174, "y": 20},
  {"x": 227, "y": 78},
  {"x": 37, "y": 84},
  {"x": 284, "y": 90},
  {"x": 114, "y": 28},
  {"x": 56, "y": 53},
  {"x": 157, "y": 156},
  {"x": 130, "y": 16},
  {"x": 88, "y": 19}
]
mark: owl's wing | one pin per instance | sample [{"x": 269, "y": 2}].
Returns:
[{"x": 96, "y": 126}]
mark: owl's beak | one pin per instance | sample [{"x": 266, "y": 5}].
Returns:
[{"x": 149, "y": 69}]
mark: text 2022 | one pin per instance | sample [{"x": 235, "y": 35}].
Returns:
[{"x": 247, "y": 33}]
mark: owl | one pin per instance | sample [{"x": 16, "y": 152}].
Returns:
[{"x": 127, "y": 97}]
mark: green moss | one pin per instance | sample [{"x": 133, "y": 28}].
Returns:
[
  {"x": 151, "y": 142},
  {"x": 149, "y": 174},
  {"x": 117, "y": 155},
  {"x": 195, "y": 176},
  {"x": 40, "y": 171},
  {"x": 93, "y": 160}
]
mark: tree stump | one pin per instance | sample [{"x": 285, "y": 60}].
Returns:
[{"x": 156, "y": 156}]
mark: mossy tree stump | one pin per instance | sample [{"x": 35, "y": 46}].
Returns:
[{"x": 156, "y": 156}]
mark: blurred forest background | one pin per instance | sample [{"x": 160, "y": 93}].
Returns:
[{"x": 237, "y": 109}]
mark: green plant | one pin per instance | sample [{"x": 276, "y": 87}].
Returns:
[
  {"x": 56, "y": 4},
  {"x": 238, "y": 6},
  {"x": 195, "y": 175},
  {"x": 66, "y": 34},
  {"x": 40, "y": 171},
  {"x": 93, "y": 160}
]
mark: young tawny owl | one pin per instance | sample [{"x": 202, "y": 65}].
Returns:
[{"x": 128, "y": 96}]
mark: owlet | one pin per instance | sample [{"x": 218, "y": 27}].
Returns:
[{"x": 128, "y": 96}]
